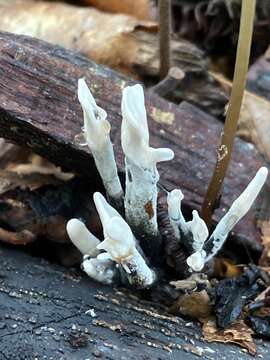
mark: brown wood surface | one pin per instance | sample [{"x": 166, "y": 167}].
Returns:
[{"x": 39, "y": 109}]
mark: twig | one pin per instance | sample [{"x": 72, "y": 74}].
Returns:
[
  {"x": 164, "y": 36},
  {"x": 169, "y": 83},
  {"x": 230, "y": 127}
]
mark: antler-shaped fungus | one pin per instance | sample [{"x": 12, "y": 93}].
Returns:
[
  {"x": 96, "y": 132},
  {"x": 119, "y": 255},
  {"x": 140, "y": 165}
]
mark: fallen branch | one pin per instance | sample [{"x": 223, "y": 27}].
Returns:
[{"x": 39, "y": 109}]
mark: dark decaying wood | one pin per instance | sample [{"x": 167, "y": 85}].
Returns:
[
  {"x": 45, "y": 313},
  {"x": 39, "y": 109}
]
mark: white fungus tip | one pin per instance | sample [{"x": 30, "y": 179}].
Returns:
[
  {"x": 134, "y": 112},
  {"x": 105, "y": 210},
  {"x": 262, "y": 173},
  {"x": 82, "y": 238},
  {"x": 199, "y": 230},
  {"x": 174, "y": 199},
  {"x": 119, "y": 241},
  {"x": 244, "y": 202},
  {"x": 84, "y": 94},
  {"x": 117, "y": 228},
  {"x": 161, "y": 154},
  {"x": 196, "y": 261},
  {"x": 177, "y": 193}
]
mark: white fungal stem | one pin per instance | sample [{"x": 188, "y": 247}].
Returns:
[
  {"x": 191, "y": 233},
  {"x": 97, "y": 135},
  {"x": 82, "y": 238},
  {"x": 103, "y": 271},
  {"x": 198, "y": 229},
  {"x": 140, "y": 161},
  {"x": 238, "y": 210},
  {"x": 120, "y": 245},
  {"x": 177, "y": 220}
]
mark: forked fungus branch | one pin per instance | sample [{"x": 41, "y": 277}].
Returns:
[{"x": 119, "y": 255}]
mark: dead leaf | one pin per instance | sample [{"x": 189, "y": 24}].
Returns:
[
  {"x": 226, "y": 268},
  {"x": 195, "y": 305},
  {"x": 141, "y": 9},
  {"x": 238, "y": 333},
  {"x": 119, "y": 41},
  {"x": 105, "y": 38}
]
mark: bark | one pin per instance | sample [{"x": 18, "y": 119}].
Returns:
[
  {"x": 46, "y": 313},
  {"x": 39, "y": 109}
]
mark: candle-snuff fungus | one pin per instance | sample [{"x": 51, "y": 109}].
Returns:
[{"x": 132, "y": 250}]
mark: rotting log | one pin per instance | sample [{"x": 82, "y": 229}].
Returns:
[
  {"x": 39, "y": 109},
  {"x": 51, "y": 312}
]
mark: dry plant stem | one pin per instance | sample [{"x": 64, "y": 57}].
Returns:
[
  {"x": 164, "y": 36},
  {"x": 170, "y": 82},
  {"x": 228, "y": 136}
]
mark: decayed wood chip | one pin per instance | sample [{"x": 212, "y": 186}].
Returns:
[
  {"x": 192, "y": 282},
  {"x": 238, "y": 333},
  {"x": 9, "y": 180},
  {"x": 45, "y": 169}
]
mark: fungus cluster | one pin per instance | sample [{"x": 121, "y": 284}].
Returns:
[{"x": 129, "y": 217}]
